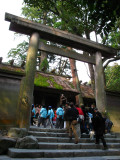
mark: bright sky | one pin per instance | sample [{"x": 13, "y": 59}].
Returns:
[{"x": 8, "y": 40}]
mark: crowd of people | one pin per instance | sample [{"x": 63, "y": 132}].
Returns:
[{"x": 69, "y": 115}]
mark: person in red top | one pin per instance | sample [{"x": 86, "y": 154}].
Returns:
[
  {"x": 54, "y": 119},
  {"x": 81, "y": 116},
  {"x": 79, "y": 110}
]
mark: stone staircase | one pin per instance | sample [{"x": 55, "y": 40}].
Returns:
[{"x": 55, "y": 144}]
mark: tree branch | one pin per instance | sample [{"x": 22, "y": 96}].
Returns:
[{"x": 111, "y": 60}]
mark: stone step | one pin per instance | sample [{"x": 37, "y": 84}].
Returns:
[
  {"x": 4, "y": 157},
  {"x": 66, "y": 140},
  {"x": 59, "y": 134},
  {"x": 51, "y": 134},
  {"x": 38, "y": 153},
  {"x": 54, "y": 130},
  {"x": 76, "y": 146},
  {"x": 35, "y": 128},
  {"x": 47, "y": 134}
]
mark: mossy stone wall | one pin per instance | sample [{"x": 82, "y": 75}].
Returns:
[
  {"x": 113, "y": 108},
  {"x": 9, "y": 91}
]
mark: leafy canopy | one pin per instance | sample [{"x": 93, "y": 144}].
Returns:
[
  {"x": 112, "y": 75},
  {"x": 19, "y": 53},
  {"x": 113, "y": 37},
  {"x": 79, "y": 16}
]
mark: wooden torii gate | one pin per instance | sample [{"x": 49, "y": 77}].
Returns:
[{"x": 38, "y": 31}]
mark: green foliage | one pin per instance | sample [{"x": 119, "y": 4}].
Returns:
[
  {"x": 55, "y": 85},
  {"x": 113, "y": 38},
  {"x": 112, "y": 75},
  {"x": 41, "y": 81},
  {"x": 106, "y": 114},
  {"x": 46, "y": 82},
  {"x": 105, "y": 12},
  {"x": 65, "y": 15},
  {"x": 44, "y": 66},
  {"x": 34, "y": 14},
  {"x": 19, "y": 53},
  {"x": 79, "y": 16}
]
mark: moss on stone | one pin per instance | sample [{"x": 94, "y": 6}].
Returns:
[
  {"x": 12, "y": 70},
  {"x": 46, "y": 82},
  {"x": 55, "y": 85},
  {"x": 41, "y": 81}
]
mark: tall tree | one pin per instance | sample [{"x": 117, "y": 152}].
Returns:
[
  {"x": 105, "y": 12},
  {"x": 113, "y": 38}
]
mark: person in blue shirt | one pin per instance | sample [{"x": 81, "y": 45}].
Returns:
[
  {"x": 60, "y": 115},
  {"x": 50, "y": 116},
  {"x": 42, "y": 117}
]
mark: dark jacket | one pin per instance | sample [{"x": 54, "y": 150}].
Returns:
[
  {"x": 98, "y": 124},
  {"x": 71, "y": 114}
]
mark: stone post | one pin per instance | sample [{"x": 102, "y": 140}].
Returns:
[
  {"x": 27, "y": 84},
  {"x": 99, "y": 84}
]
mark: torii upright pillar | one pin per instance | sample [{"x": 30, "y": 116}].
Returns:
[
  {"x": 27, "y": 85},
  {"x": 99, "y": 84}
]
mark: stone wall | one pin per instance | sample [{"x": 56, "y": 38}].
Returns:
[
  {"x": 113, "y": 108},
  {"x": 9, "y": 91}
]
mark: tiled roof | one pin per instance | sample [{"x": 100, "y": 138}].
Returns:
[
  {"x": 46, "y": 80},
  {"x": 87, "y": 91},
  {"x": 51, "y": 81},
  {"x": 54, "y": 82}
]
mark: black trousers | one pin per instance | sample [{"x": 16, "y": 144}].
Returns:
[
  {"x": 32, "y": 121},
  {"x": 42, "y": 120},
  {"x": 59, "y": 123},
  {"x": 98, "y": 137}
]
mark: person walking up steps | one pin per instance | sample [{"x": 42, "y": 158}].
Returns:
[
  {"x": 42, "y": 117},
  {"x": 60, "y": 115},
  {"x": 72, "y": 114},
  {"x": 66, "y": 121},
  {"x": 99, "y": 128},
  {"x": 50, "y": 116}
]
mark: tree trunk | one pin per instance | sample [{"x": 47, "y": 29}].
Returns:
[{"x": 79, "y": 99}]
